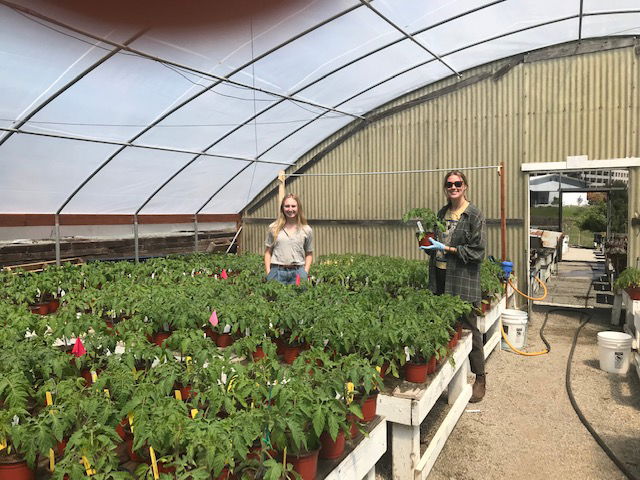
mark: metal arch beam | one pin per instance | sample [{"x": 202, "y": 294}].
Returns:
[
  {"x": 580, "y": 21},
  {"x": 409, "y": 36},
  {"x": 19, "y": 123},
  {"x": 341, "y": 67},
  {"x": 402, "y": 72},
  {"x": 253, "y": 117},
  {"x": 155, "y": 58},
  {"x": 177, "y": 107}
]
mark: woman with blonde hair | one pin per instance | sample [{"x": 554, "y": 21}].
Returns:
[
  {"x": 289, "y": 244},
  {"x": 456, "y": 256}
]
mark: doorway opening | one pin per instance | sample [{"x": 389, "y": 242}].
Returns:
[{"x": 578, "y": 234}]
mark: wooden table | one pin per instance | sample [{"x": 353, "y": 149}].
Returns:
[{"x": 405, "y": 405}]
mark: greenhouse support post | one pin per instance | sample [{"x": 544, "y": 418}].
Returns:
[
  {"x": 503, "y": 214},
  {"x": 281, "y": 187},
  {"x": 57, "y": 233},
  {"x": 135, "y": 238},
  {"x": 195, "y": 233}
]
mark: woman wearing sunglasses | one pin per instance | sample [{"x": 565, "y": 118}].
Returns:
[
  {"x": 289, "y": 244},
  {"x": 455, "y": 262}
]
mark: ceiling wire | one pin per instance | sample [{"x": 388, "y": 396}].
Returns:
[{"x": 255, "y": 110}]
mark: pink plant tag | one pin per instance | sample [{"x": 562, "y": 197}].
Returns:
[
  {"x": 213, "y": 319},
  {"x": 78, "y": 348},
  {"x": 224, "y": 275},
  {"x": 297, "y": 280}
]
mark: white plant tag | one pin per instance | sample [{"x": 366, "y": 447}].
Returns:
[
  {"x": 227, "y": 328},
  {"x": 406, "y": 352}
]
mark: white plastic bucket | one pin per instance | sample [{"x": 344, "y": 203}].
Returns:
[
  {"x": 614, "y": 349},
  {"x": 514, "y": 323}
]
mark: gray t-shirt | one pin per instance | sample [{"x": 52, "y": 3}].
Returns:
[{"x": 290, "y": 248}]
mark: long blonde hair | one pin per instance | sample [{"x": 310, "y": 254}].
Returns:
[{"x": 278, "y": 224}]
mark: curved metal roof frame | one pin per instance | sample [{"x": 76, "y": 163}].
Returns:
[{"x": 281, "y": 98}]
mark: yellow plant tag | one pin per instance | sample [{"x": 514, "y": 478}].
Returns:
[
  {"x": 350, "y": 389},
  {"x": 3, "y": 444},
  {"x": 154, "y": 463},
  {"x": 188, "y": 361},
  {"x": 52, "y": 460},
  {"x": 94, "y": 377},
  {"x": 178, "y": 394},
  {"x": 87, "y": 466},
  {"x": 378, "y": 369},
  {"x": 194, "y": 412},
  {"x": 106, "y": 392},
  {"x": 231, "y": 382},
  {"x": 130, "y": 416},
  {"x": 48, "y": 398}
]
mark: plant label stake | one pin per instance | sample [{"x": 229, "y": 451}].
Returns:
[
  {"x": 213, "y": 319},
  {"x": 94, "y": 377},
  {"x": 87, "y": 466},
  {"x": 78, "y": 349},
  {"x": 178, "y": 394},
  {"x": 194, "y": 412},
  {"x": 130, "y": 417},
  {"x": 52, "y": 461},
  {"x": 154, "y": 463},
  {"x": 224, "y": 275},
  {"x": 3, "y": 444},
  {"x": 48, "y": 399}
]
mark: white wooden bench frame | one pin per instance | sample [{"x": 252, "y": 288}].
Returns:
[
  {"x": 631, "y": 324},
  {"x": 361, "y": 461},
  {"x": 406, "y": 410}
]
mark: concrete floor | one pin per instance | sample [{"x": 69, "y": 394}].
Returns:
[{"x": 526, "y": 425}]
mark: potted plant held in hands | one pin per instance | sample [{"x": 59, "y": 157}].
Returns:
[{"x": 428, "y": 220}]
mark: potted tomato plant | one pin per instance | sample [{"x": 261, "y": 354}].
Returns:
[{"x": 429, "y": 221}]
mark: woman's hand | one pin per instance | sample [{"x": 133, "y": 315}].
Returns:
[{"x": 435, "y": 245}]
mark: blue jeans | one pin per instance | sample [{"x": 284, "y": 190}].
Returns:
[{"x": 287, "y": 276}]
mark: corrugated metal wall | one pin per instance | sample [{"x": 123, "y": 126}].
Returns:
[{"x": 535, "y": 112}]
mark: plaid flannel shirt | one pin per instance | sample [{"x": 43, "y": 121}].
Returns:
[{"x": 463, "y": 267}]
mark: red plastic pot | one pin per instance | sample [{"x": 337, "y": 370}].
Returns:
[
  {"x": 331, "y": 449},
  {"x": 305, "y": 464},
  {"x": 383, "y": 369},
  {"x": 415, "y": 372},
  {"x": 431, "y": 365},
  {"x": 61, "y": 446},
  {"x": 453, "y": 342},
  {"x": 209, "y": 332},
  {"x": 224, "y": 340},
  {"x": 159, "y": 338},
  {"x": 54, "y": 305},
  {"x": 185, "y": 391},
  {"x": 280, "y": 345},
  {"x": 39, "y": 308},
  {"x": 352, "y": 420},
  {"x": 459, "y": 330},
  {"x": 258, "y": 354},
  {"x": 290, "y": 353},
  {"x": 16, "y": 471},
  {"x": 123, "y": 429},
  {"x": 224, "y": 474},
  {"x": 132, "y": 455},
  {"x": 425, "y": 242},
  {"x": 633, "y": 292},
  {"x": 369, "y": 407}
]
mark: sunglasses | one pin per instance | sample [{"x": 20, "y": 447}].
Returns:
[{"x": 457, "y": 184}]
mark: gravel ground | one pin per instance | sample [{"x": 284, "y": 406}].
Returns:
[{"x": 526, "y": 425}]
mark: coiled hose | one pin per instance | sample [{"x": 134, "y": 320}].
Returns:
[{"x": 504, "y": 335}]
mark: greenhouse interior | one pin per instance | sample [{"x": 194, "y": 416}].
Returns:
[{"x": 319, "y": 239}]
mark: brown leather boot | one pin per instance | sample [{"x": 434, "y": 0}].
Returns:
[{"x": 479, "y": 388}]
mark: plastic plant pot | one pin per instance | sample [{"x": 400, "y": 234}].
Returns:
[
  {"x": 369, "y": 407},
  {"x": 305, "y": 464},
  {"x": 331, "y": 449},
  {"x": 431, "y": 365},
  {"x": 290, "y": 353},
  {"x": 16, "y": 471},
  {"x": 224, "y": 340},
  {"x": 425, "y": 241},
  {"x": 258, "y": 354},
  {"x": 39, "y": 308},
  {"x": 633, "y": 292},
  {"x": 415, "y": 372}
]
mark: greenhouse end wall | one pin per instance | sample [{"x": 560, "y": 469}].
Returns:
[{"x": 540, "y": 108}]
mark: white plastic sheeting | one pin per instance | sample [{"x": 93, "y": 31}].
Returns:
[{"x": 126, "y": 109}]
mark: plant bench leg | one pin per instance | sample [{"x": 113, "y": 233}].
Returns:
[
  {"x": 405, "y": 450},
  {"x": 616, "y": 310},
  {"x": 458, "y": 382}
]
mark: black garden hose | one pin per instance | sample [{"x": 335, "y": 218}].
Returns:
[{"x": 587, "y": 317}]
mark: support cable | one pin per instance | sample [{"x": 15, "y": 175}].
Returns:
[{"x": 393, "y": 172}]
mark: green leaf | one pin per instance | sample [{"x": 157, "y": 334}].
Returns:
[{"x": 318, "y": 422}]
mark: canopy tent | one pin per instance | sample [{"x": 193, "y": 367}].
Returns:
[{"x": 122, "y": 114}]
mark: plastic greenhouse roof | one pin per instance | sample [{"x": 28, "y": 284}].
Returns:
[{"x": 173, "y": 109}]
